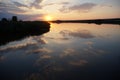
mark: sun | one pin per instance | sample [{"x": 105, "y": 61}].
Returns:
[{"x": 48, "y": 18}]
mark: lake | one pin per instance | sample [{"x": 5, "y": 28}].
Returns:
[{"x": 69, "y": 51}]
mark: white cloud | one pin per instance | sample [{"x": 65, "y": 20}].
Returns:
[{"x": 85, "y": 7}]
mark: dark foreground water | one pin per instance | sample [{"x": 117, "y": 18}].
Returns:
[{"x": 66, "y": 52}]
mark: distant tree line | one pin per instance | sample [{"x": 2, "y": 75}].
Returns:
[{"x": 14, "y": 18}]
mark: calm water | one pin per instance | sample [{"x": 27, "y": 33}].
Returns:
[{"x": 66, "y": 52}]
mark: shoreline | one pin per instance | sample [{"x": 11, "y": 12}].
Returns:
[
  {"x": 95, "y": 21},
  {"x": 11, "y": 31}
]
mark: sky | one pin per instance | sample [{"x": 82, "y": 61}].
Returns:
[{"x": 60, "y": 9}]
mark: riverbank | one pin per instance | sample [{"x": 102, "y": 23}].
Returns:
[
  {"x": 15, "y": 30},
  {"x": 95, "y": 21}
]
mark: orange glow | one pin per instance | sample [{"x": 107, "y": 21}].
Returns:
[{"x": 48, "y": 18}]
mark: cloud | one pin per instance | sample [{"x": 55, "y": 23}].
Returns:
[
  {"x": 10, "y": 8},
  {"x": 85, "y": 7},
  {"x": 81, "y": 34},
  {"x": 36, "y": 4},
  {"x": 60, "y": 3},
  {"x": 65, "y": 3},
  {"x": 19, "y": 4},
  {"x": 64, "y": 9},
  {"x": 20, "y": 16},
  {"x": 2, "y": 5}
]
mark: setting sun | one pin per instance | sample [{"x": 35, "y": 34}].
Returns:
[{"x": 48, "y": 18}]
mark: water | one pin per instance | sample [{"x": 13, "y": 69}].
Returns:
[{"x": 67, "y": 52}]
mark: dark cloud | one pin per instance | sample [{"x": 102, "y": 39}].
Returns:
[
  {"x": 64, "y": 9},
  {"x": 85, "y": 7},
  {"x": 20, "y": 16},
  {"x": 64, "y": 2},
  {"x": 61, "y": 3},
  {"x": 5, "y": 7},
  {"x": 2, "y": 4},
  {"x": 8, "y": 10},
  {"x": 81, "y": 34},
  {"x": 19, "y": 4},
  {"x": 36, "y": 4}
]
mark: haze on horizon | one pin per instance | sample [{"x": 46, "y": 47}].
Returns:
[{"x": 60, "y": 9}]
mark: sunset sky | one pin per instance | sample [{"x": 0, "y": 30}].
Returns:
[{"x": 60, "y": 9}]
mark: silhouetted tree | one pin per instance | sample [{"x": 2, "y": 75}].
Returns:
[
  {"x": 4, "y": 20},
  {"x": 14, "y": 18}
]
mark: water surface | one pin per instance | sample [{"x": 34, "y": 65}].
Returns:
[{"x": 68, "y": 51}]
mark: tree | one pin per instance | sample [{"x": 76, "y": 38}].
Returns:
[
  {"x": 4, "y": 20},
  {"x": 14, "y": 18}
]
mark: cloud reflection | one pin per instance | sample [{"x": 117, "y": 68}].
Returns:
[
  {"x": 2, "y": 57},
  {"x": 35, "y": 76},
  {"x": 18, "y": 44},
  {"x": 90, "y": 49},
  {"x": 45, "y": 57},
  {"x": 68, "y": 52},
  {"x": 39, "y": 50},
  {"x": 89, "y": 43},
  {"x": 78, "y": 63},
  {"x": 25, "y": 44},
  {"x": 81, "y": 34},
  {"x": 57, "y": 38}
]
